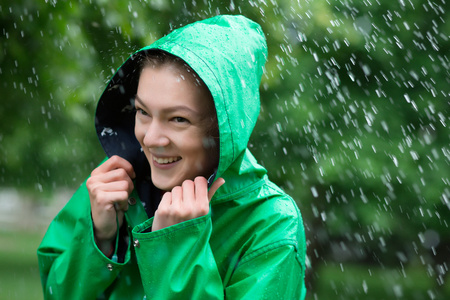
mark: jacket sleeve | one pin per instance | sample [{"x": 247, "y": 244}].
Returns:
[
  {"x": 273, "y": 272},
  {"x": 70, "y": 264},
  {"x": 177, "y": 263}
]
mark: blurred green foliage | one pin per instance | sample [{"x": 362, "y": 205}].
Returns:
[{"x": 354, "y": 120}]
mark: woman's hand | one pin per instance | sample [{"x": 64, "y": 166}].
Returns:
[
  {"x": 185, "y": 202},
  {"x": 109, "y": 187}
]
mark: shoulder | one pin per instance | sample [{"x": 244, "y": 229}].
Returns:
[
  {"x": 262, "y": 208},
  {"x": 260, "y": 220},
  {"x": 275, "y": 222},
  {"x": 279, "y": 210}
]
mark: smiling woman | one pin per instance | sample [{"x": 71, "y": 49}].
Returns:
[
  {"x": 180, "y": 208},
  {"x": 174, "y": 115}
]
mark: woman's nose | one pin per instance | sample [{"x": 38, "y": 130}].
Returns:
[{"x": 155, "y": 135}]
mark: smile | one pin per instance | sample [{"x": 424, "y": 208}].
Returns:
[{"x": 166, "y": 160}]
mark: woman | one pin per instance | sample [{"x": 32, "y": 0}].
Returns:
[{"x": 148, "y": 223}]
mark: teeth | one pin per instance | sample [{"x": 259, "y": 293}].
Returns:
[{"x": 166, "y": 160}]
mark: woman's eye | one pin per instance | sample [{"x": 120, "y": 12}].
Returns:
[
  {"x": 141, "y": 112},
  {"x": 180, "y": 120}
]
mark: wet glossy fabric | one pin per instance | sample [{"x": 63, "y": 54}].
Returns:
[{"x": 250, "y": 246}]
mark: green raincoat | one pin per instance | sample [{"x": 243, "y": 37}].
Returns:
[{"x": 251, "y": 245}]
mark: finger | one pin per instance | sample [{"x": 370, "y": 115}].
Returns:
[
  {"x": 166, "y": 200},
  {"x": 114, "y": 175},
  {"x": 118, "y": 162},
  {"x": 215, "y": 186},
  {"x": 121, "y": 205},
  {"x": 107, "y": 199},
  {"x": 115, "y": 162},
  {"x": 188, "y": 191},
  {"x": 100, "y": 191},
  {"x": 201, "y": 196},
  {"x": 177, "y": 195},
  {"x": 201, "y": 188},
  {"x": 117, "y": 186},
  {"x": 113, "y": 180}
]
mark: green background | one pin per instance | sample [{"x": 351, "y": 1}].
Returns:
[{"x": 354, "y": 125}]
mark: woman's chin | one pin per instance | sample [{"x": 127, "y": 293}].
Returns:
[{"x": 164, "y": 184}]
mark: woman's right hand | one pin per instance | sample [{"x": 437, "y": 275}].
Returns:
[{"x": 109, "y": 187}]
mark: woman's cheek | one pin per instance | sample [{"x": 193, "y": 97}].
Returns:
[{"x": 138, "y": 131}]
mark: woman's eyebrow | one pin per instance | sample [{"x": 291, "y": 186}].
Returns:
[
  {"x": 171, "y": 108},
  {"x": 136, "y": 98},
  {"x": 180, "y": 108}
]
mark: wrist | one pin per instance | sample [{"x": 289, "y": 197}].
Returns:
[{"x": 106, "y": 246}]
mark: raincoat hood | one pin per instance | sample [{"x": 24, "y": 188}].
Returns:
[{"x": 228, "y": 53}]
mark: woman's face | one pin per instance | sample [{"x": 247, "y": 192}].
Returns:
[{"x": 172, "y": 116}]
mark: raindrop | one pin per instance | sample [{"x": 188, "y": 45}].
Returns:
[
  {"x": 414, "y": 155},
  {"x": 398, "y": 291},
  {"x": 366, "y": 70},
  {"x": 407, "y": 98},
  {"x": 395, "y": 160},
  {"x": 323, "y": 215},
  {"x": 232, "y": 5},
  {"x": 316, "y": 57},
  {"x": 430, "y": 239},
  {"x": 385, "y": 126},
  {"x": 314, "y": 192},
  {"x": 301, "y": 37},
  {"x": 402, "y": 257},
  {"x": 363, "y": 24},
  {"x": 279, "y": 128},
  {"x": 365, "y": 287},
  {"x": 352, "y": 76}
]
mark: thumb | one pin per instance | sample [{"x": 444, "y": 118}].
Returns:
[{"x": 215, "y": 186}]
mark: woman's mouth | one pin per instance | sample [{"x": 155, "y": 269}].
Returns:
[{"x": 166, "y": 160}]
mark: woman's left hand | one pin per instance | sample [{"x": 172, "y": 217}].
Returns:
[{"x": 185, "y": 202}]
